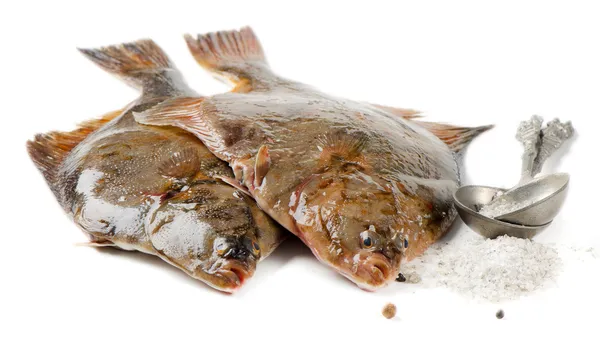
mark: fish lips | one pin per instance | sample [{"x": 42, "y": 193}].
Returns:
[
  {"x": 230, "y": 276},
  {"x": 368, "y": 270},
  {"x": 374, "y": 272}
]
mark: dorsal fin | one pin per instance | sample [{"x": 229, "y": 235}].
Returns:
[
  {"x": 49, "y": 150},
  {"x": 455, "y": 137},
  {"x": 404, "y": 113}
]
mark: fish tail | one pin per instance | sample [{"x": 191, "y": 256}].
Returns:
[
  {"x": 235, "y": 57},
  {"x": 142, "y": 64},
  {"x": 49, "y": 150},
  {"x": 226, "y": 48},
  {"x": 457, "y": 138}
]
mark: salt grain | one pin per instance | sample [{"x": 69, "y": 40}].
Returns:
[{"x": 500, "y": 269}]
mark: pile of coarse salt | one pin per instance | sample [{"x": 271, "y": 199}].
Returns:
[
  {"x": 500, "y": 269},
  {"x": 495, "y": 210}
]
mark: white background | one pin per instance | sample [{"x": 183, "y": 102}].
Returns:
[{"x": 468, "y": 63}]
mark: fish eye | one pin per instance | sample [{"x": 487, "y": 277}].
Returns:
[
  {"x": 255, "y": 248},
  {"x": 252, "y": 246},
  {"x": 220, "y": 247},
  {"x": 368, "y": 239},
  {"x": 401, "y": 242}
]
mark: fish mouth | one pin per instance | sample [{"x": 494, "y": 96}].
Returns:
[
  {"x": 374, "y": 272},
  {"x": 368, "y": 270},
  {"x": 233, "y": 276}
]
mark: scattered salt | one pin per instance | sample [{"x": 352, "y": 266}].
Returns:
[{"x": 501, "y": 269}]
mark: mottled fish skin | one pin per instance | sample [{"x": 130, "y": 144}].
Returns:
[
  {"x": 157, "y": 190},
  {"x": 360, "y": 186},
  {"x": 339, "y": 172}
]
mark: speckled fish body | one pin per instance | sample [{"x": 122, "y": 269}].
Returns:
[
  {"x": 155, "y": 189},
  {"x": 362, "y": 185}
]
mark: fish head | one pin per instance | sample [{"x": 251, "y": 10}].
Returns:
[
  {"x": 349, "y": 220},
  {"x": 208, "y": 231}
]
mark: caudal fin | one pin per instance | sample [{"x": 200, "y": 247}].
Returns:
[
  {"x": 143, "y": 65},
  {"x": 236, "y": 56},
  {"x": 218, "y": 50},
  {"x": 457, "y": 138}
]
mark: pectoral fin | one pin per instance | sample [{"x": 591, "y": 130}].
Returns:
[
  {"x": 234, "y": 183},
  {"x": 181, "y": 164},
  {"x": 182, "y": 112},
  {"x": 261, "y": 166},
  {"x": 342, "y": 146}
]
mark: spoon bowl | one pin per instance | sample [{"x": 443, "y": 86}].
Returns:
[
  {"x": 534, "y": 203},
  {"x": 469, "y": 199}
]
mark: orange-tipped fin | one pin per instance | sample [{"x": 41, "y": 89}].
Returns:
[
  {"x": 457, "y": 138},
  {"x": 236, "y": 56},
  {"x": 49, "y": 150}
]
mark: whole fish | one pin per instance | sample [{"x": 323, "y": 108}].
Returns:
[
  {"x": 154, "y": 189},
  {"x": 362, "y": 185}
]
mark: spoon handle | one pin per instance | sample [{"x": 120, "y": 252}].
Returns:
[
  {"x": 553, "y": 136},
  {"x": 529, "y": 135}
]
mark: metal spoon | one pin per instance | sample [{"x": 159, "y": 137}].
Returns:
[
  {"x": 535, "y": 203},
  {"x": 468, "y": 200},
  {"x": 521, "y": 203}
]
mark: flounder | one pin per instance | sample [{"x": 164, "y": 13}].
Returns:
[
  {"x": 153, "y": 189},
  {"x": 362, "y": 185}
]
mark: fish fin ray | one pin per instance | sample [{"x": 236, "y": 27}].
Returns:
[
  {"x": 143, "y": 65},
  {"x": 235, "y": 56},
  {"x": 182, "y": 112},
  {"x": 233, "y": 183},
  {"x": 404, "y": 113},
  {"x": 261, "y": 166},
  {"x": 181, "y": 164},
  {"x": 341, "y": 144},
  {"x": 457, "y": 138},
  {"x": 49, "y": 150},
  {"x": 97, "y": 243}
]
